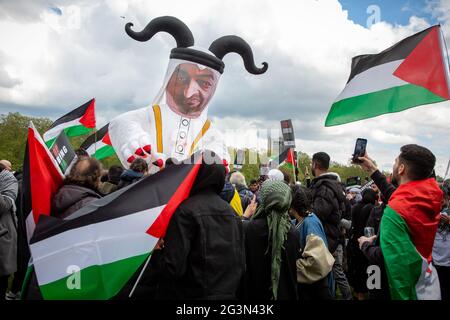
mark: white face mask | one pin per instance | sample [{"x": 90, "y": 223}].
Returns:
[{"x": 188, "y": 88}]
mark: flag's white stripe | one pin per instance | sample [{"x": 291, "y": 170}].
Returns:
[
  {"x": 375, "y": 79},
  {"x": 427, "y": 286},
  {"x": 91, "y": 150},
  {"x": 30, "y": 226},
  {"x": 53, "y": 132},
  {"x": 95, "y": 244}
]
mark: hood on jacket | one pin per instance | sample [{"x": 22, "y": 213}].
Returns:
[
  {"x": 68, "y": 195},
  {"x": 211, "y": 175},
  {"x": 130, "y": 175},
  {"x": 326, "y": 176},
  {"x": 227, "y": 192}
]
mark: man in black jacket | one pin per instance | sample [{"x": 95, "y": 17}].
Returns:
[
  {"x": 369, "y": 246},
  {"x": 202, "y": 256},
  {"x": 329, "y": 205}
]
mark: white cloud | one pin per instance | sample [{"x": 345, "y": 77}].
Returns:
[{"x": 58, "y": 62}]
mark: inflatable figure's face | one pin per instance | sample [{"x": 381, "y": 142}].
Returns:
[{"x": 190, "y": 88}]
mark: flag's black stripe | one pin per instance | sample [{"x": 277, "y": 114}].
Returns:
[
  {"x": 150, "y": 192},
  {"x": 91, "y": 139},
  {"x": 72, "y": 115},
  {"x": 26, "y": 184},
  {"x": 281, "y": 157},
  {"x": 398, "y": 51}
]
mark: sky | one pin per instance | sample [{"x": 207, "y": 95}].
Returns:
[{"x": 56, "y": 55}]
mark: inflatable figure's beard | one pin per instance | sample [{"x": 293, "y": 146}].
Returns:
[{"x": 191, "y": 107}]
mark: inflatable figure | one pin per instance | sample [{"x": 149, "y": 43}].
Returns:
[{"x": 176, "y": 124}]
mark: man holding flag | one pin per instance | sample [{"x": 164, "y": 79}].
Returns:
[{"x": 409, "y": 225}]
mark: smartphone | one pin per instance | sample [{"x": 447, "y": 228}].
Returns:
[{"x": 360, "y": 149}]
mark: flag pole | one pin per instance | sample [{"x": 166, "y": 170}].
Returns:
[
  {"x": 293, "y": 165},
  {"x": 140, "y": 275},
  {"x": 446, "y": 56},
  {"x": 95, "y": 139}
]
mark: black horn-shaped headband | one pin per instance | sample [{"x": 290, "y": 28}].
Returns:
[
  {"x": 228, "y": 44},
  {"x": 185, "y": 40},
  {"x": 171, "y": 25}
]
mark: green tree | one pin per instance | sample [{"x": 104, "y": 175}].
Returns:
[{"x": 13, "y": 135}]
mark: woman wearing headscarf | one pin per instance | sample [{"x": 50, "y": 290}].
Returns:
[
  {"x": 271, "y": 246},
  {"x": 314, "y": 276},
  {"x": 8, "y": 228}
]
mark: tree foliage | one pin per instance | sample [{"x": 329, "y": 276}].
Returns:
[{"x": 13, "y": 136}]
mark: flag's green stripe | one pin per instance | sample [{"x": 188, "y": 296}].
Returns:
[
  {"x": 402, "y": 260},
  {"x": 26, "y": 282},
  {"x": 96, "y": 282},
  {"x": 377, "y": 103},
  {"x": 49, "y": 143},
  {"x": 72, "y": 131},
  {"x": 77, "y": 131},
  {"x": 104, "y": 152}
]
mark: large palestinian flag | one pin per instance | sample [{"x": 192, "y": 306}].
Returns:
[
  {"x": 95, "y": 252},
  {"x": 412, "y": 72},
  {"x": 98, "y": 144},
  {"x": 407, "y": 232},
  {"x": 76, "y": 123}
]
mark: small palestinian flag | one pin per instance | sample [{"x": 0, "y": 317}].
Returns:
[
  {"x": 412, "y": 72},
  {"x": 407, "y": 232},
  {"x": 96, "y": 251},
  {"x": 290, "y": 160},
  {"x": 98, "y": 145},
  {"x": 42, "y": 177},
  {"x": 287, "y": 156},
  {"x": 76, "y": 123}
]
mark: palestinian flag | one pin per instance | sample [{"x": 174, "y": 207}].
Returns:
[
  {"x": 42, "y": 177},
  {"x": 290, "y": 160},
  {"x": 96, "y": 251},
  {"x": 76, "y": 123},
  {"x": 412, "y": 72},
  {"x": 287, "y": 156},
  {"x": 98, "y": 144},
  {"x": 277, "y": 160},
  {"x": 407, "y": 232}
]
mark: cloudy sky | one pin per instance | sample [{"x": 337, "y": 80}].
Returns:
[{"x": 56, "y": 55}]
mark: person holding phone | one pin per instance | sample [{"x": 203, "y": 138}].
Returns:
[{"x": 409, "y": 223}]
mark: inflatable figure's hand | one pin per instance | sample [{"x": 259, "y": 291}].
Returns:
[{"x": 137, "y": 148}]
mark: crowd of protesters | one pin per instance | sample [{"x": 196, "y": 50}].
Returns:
[{"x": 266, "y": 240}]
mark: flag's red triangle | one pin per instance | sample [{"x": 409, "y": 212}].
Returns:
[
  {"x": 159, "y": 226},
  {"x": 88, "y": 119},
  {"x": 45, "y": 177},
  {"x": 425, "y": 66},
  {"x": 290, "y": 158},
  {"x": 106, "y": 139}
]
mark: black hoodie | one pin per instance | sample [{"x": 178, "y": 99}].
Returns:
[
  {"x": 329, "y": 205},
  {"x": 203, "y": 255}
]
